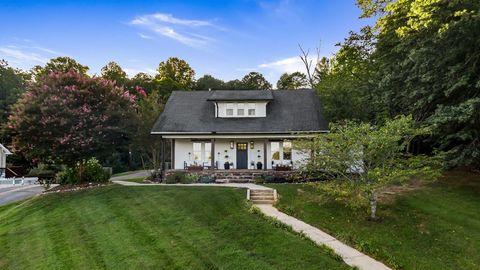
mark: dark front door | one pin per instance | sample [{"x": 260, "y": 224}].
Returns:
[{"x": 242, "y": 156}]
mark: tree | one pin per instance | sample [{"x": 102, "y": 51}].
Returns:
[
  {"x": 177, "y": 70},
  {"x": 68, "y": 118},
  {"x": 148, "y": 146},
  {"x": 12, "y": 84},
  {"x": 345, "y": 82},
  {"x": 112, "y": 71},
  {"x": 234, "y": 85},
  {"x": 293, "y": 80},
  {"x": 427, "y": 55},
  {"x": 207, "y": 82},
  {"x": 255, "y": 81},
  {"x": 363, "y": 159},
  {"x": 59, "y": 64}
]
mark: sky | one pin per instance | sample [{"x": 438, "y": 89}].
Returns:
[{"x": 225, "y": 39}]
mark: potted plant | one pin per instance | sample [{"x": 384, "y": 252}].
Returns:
[{"x": 259, "y": 165}]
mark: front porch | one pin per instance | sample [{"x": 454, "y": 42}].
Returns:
[{"x": 235, "y": 153}]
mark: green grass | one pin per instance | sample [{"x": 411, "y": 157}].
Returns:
[
  {"x": 436, "y": 227},
  {"x": 151, "y": 227}
]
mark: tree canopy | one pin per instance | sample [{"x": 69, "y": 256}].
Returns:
[
  {"x": 420, "y": 58},
  {"x": 177, "y": 70},
  {"x": 293, "y": 80},
  {"x": 59, "y": 64},
  {"x": 255, "y": 81},
  {"x": 68, "y": 117},
  {"x": 112, "y": 71}
]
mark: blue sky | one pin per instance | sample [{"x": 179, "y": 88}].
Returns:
[{"x": 226, "y": 39}]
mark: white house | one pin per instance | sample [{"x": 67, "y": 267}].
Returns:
[
  {"x": 239, "y": 129},
  {"x": 4, "y": 152}
]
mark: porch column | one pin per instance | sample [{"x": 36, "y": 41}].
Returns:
[
  {"x": 265, "y": 154},
  {"x": 212, "y": 153},
  {"x": 172, "y": 154},
  {"x": 162, "y": 154}
]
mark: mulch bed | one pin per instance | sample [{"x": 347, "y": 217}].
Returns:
[{"x": 82, "y": 186}]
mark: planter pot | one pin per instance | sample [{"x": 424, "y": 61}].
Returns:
[
  {"x": 259, "y": 165},
  {"x": 226, "y": 166}
]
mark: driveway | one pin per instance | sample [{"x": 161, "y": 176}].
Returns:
[
  {"x": 135, "y": 174},
  {"x": 10, "y": 194}
]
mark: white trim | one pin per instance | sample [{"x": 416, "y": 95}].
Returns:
[
  {"x": 5, "y": 150},
  {"x": 246, "y": 136}
]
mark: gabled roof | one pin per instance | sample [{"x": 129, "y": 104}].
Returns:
[
  {"x": 4, "y": 150},
  {"x": 240, "y": 95},
  {"x": 289, "y": 111}
]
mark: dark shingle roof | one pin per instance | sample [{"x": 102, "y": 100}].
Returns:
[
  {"x": 240, "y": 95},
  {"x": 289, "y": 111}
]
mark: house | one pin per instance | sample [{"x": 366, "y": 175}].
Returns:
[
  {"x": 4, "y": 152},
  {"x": 239, "y": 129}
]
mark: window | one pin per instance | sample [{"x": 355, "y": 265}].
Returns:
[
  {"x": 240, "y": 112},
  {"x": 197, "y": 151},
  {"x": 287, "y": 150},
  {"x": 275, "y": 150},
  {"x": 230, "y": 112},
  {"x": 251, "y": 112},
  {"x": 208, "y": 152}
]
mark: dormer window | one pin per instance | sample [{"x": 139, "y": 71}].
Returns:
[{"x": 241, "y": 104}]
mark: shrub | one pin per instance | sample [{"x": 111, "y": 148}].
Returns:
[
  {"x": 176, "y": 177},
  {"x": 190, "y": 178},
  {"x": 92, "y": 172}
]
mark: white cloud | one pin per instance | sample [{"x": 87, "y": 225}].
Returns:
[
  {"x": 180, "y": 30},
  {"x": 290, "y": 64},
  {"x": 144, "y": 36},
  {"x": 25, "y": 57}
]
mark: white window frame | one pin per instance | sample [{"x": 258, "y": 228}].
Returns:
[{"x": 281, "y": 160}]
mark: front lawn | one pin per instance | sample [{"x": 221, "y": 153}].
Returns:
[
  {"x": 149, "y": 227},
  {"x": 434, "y": 227}
]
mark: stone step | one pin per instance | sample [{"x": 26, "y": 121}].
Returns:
[
  {"x": 263, "y": 201},
  {"x": 256, "y": 198},
  {"x": 261, "y": 191}
]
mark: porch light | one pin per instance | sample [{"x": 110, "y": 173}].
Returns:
[
  {"x": 232, "y": 145},
  {"x": 252, "y": 145}
]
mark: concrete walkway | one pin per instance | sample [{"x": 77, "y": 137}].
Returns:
[{"x": 350, "y": 255}]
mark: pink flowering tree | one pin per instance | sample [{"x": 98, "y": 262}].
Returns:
[{"x": 68, "y": 117}]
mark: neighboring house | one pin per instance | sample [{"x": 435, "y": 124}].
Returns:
[
  {"x": 4, "y": 152},
  {"x": 241, "y": 128}
]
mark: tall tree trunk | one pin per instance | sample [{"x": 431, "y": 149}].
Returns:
[{"x": 373, "y": 206}]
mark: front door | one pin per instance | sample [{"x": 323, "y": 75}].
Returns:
[{"x": 242, "y": 156}]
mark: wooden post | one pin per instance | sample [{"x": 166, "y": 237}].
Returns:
[
  {"x": 212, "y": 153},
  {"x": 265, "y": 154}
]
